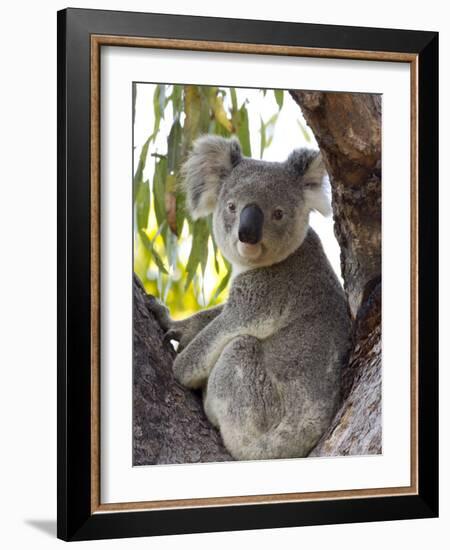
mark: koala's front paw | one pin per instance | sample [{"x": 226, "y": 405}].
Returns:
[
  {"x": 189, "y": 370},
  {"x": 181, "y": 331},
  {"x": 181, "y": 370},
  {"x": 161, "y": 313}
]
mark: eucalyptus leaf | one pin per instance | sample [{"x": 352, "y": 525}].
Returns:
[
  {"x": 205, "y": 110},
  {"x": 304, "y": 131},
  {"x": 162, "y": 98},
  {"x": 234, "y": 103},
  {"x": 170, "y": 202},
  {"x": 157, "y": 113},
  {"x": 262, "y": 143},
  {"x": 244, "y": 131},
  {"x": 216, "y": 250},
  {"x": 270, "y": 128},
  {"x": 180, "y": 210},
  {"x": 279, "y": 97},
  {"x": 143, "y": 205},
  {"x": 159, "y": 184},
  {"x": 267, "y": 130},
  {"x": 220, "y": 114},
  {"x": 222, "y": 286},
  {"x": 199, "y": 250},
  {"x": 177, "y": 100},
  {"x": 174, "y": 147},
  {"x": 193, "y": 111},
  {"x": 139, "y": 175},
  {"x": 148, "y": 244}
]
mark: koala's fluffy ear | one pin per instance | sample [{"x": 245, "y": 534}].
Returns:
[
  {"x": 211, "y": 160},
  {"x": 308, "y": 165}
]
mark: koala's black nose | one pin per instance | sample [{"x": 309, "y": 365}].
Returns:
[{"x": 251, "y": 224}]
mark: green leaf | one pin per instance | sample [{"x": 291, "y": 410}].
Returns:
[
  {"x": 234, "y": 104},
  {"x": 304, "y": 131},
  {"x": 199, "y": 250},
  {"x": 174, "y": 147},
  {"x": 216, "y": 263},
  {"x": 180, "y": 212},
  {"x": 162, "y": 98},
  {"x": 159, "y": 189},
  {"x": 149, "y": 246},
  {"x": 270, "y": 128},
  {"x": 143, "y": 205},
  {"x": 279, "y": 97},
  {"x": 193, "y": 110},
  {"x": 207, "y": 94},
  {"x": 158, "y": 113},
  {"x": 172, "y": 249},
  {"x": 243, "y": 131},
  {"x": 177, "y": 100},
  {"x": 170, "y": 202},
  {"x": 211, "y": 94},
  {"x": 222, "y": 285},
  {"x": 220, "y": 130},
  {"x": 220, "y": 114},
  {"x": 267, "y": 130},
  {"x": 262, "y": 143},
  {"x": 139, "y": 175}
]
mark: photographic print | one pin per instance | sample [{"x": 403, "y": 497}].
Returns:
[
  {"x": 257, "y": 274},
  {"x": 247, "y": 265}
]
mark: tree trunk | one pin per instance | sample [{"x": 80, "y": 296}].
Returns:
[
  {"x": 347, "y": 128},
  {"x": 169, "y": 423}
]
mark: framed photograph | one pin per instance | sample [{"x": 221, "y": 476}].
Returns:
[{"x": 247, "y": 285}]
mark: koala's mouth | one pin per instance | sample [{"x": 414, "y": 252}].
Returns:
[{"x": 249, "y": 251}]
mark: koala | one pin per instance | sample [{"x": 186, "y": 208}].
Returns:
[{"x": 269, "y": 360}]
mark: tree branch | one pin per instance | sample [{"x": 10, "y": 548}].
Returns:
[{"x": 168, "y": 420}]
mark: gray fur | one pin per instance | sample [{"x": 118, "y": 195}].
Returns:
[
  {"x": 268, "y": 360},
  {"x": 211, "y": 160}
]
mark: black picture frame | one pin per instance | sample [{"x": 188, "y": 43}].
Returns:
[{"x": 75, "y": 518}]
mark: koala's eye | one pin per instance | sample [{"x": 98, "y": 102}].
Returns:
[
  {"x": 231, "y": 206},
  {"x": 277, "y": 214}
]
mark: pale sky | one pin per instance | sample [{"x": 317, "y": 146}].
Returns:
[{"x": 288, "y": 136}]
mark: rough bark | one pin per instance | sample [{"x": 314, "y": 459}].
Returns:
[
  {"x": 347, "y": 128},
  {"x": 169, "y": 425}
]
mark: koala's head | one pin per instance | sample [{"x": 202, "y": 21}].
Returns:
[{"x": 260, "y": 209}]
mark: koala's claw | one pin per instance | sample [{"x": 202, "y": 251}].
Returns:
[{"x": 172, "y": 334}]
